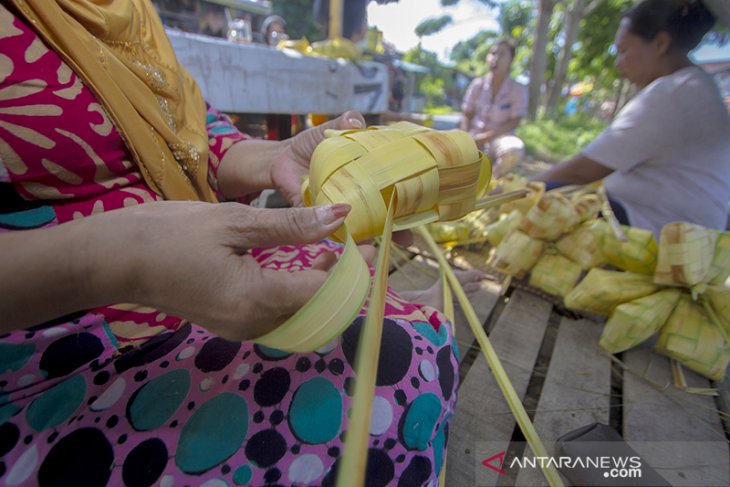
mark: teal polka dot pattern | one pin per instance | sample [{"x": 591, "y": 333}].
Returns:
[
  {"x": 274, "y": 353},
  {"x": 14, "y": 356},
  {"x": 23, "y": 220},
  {"x": 8, "y": 410},
  {"x": 242, "y": 475},
  {"x": 57, "y": 404},
  {"x": 212, "y": 434},
  {"x": 439, "y": 445},
  {"x": 154, "y": 403},
  {"x": 316, "y": 411},
  {"x": 426, "y": 329},
  {"x": 420, "y": 421}
]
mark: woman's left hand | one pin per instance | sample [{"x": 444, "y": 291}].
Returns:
[
  {"x": 252, "y": 165},
  {"x": 292, "y": 164}
]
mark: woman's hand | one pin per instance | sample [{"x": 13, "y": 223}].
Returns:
[
  {"x": 253, "y": 165},
  {"x": 187, "y": 259},
  {"x": 196, "y": 264},
  {"x": 289, "y": 168}
]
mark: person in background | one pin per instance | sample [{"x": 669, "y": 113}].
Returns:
[
  {"x": 129, "y": 294},
  {"x": 666, "y": 155},
  {"x": 213, "y": 20},
  {"x": 273, "y": 30},
  {"x": 493, "y": 107}
]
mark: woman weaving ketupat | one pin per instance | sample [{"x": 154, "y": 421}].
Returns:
[
  {"x": 666, "y": 155},
  {"x": 100, "y": 130}
]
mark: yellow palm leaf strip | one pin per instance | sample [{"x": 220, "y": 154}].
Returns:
[
  {"x": 418, "y": 194},
  {"x": 442, "y": 478},
  {"x": 518, "y": 410},
  {"x": 485, "y": 176},
  {"x": 499, "y": 199},
  {"x": 331, "y": 155},
  {"x": 448, "y": 299},
  {"x": 354, "y": 186},
  {"x": 460, "y": 167},
  {"x": 609, "y": 216},
  {"x": 329, "y": 311},
  {"x": 449, "y": 313},
  {"x": 354, "y": 457}
]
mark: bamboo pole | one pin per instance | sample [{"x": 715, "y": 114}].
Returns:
[{"x": 335, "y": 20}]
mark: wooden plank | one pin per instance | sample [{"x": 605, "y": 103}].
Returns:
[
  {"x": 254, "y": 78},
  {"x": 723, "y": 401},
  {"x": 677, "y": 433},
  {"x": 483, "y": 423},
  {"x": 418, "y": 273},
  {"x": 576, "y": 391},
  {"x": 472, "y": 259}
]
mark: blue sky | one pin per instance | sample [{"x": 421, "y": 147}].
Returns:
[{"x": 399, "y": 20}]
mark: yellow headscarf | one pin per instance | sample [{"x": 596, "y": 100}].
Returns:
[{"x": 121, "y": 51}]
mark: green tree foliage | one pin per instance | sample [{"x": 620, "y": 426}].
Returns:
[
  {"x": 592, "y": 55},
  {"x": 469, "y": 55},
  {"x": 300, "y": 18},
  {"x": 515, "y": 20},
  {"x": 437, "y": 83},
  {"x": 432, "y": 26}
]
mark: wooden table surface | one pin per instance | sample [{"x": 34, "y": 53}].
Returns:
[{"x": 567, "y": 381}]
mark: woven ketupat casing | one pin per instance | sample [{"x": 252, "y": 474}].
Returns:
[
  {"x": 436, "y": 175},
  {"x": 516, "y": 254},
  {"x": 552, "y": 216},
  {"x": 497, "y": 231},
  {"x": 583, "y": 244},
  {"x": 587, "y": 205},
  {"x": 555, "y": 274},
  {"x": 691, "y": 337},
  {"x": 720, "y": 269},
  {"x": 685, "y": 254},
  {"x": 602, "y": 290},
  {"x": 512, "y": 182},
  {"x": 632, "y": 323},
  {"x": 637, "y": 254}
]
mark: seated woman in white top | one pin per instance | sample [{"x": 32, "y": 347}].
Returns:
[{"x": 666, "y": 156}]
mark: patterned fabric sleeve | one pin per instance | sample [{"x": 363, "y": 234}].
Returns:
[{"x": 222, "y": 134}]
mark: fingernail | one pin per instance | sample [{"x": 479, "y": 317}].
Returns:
[
  {"x": 355, "y": 123},
  {"x": 331, "y": 213}
]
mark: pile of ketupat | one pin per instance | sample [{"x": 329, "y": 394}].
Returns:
[{"x": 677, "y": 288}]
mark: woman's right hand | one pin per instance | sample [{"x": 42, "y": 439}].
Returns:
[
  {"x": 187, "y": 259},
  {"x": 192, "y": 262}
]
